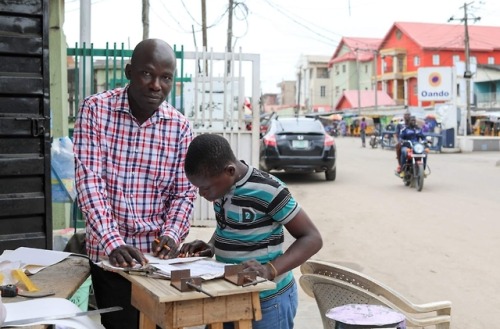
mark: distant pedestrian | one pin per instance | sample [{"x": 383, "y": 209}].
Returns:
[{"x": 362, "y": 132}]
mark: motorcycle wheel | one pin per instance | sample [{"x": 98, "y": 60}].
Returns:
[
  {"x": 419, "y": 176},
  {"x": 407, "y": 178}
]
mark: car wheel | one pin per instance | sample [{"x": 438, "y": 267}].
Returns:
[{"x": 331, "y": 174}]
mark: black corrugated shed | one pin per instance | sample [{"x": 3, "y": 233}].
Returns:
[{"x": 25, "y": 189}]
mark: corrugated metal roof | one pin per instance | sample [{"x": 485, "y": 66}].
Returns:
[
  {"x": 364, "y": 46},
  {"x": 450, "y": 36},
  {"x": 367, "y": 98}
]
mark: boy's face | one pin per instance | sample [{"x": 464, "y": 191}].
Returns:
[{"x": 213, "y": 187}]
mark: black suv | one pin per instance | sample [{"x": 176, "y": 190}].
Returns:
[{"x": 298, "y": 144}]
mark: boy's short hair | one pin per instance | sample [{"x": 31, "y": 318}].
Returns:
[{"x": 208, "y": 154}]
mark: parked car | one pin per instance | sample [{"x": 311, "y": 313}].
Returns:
[{"x": 298, "y": 144}]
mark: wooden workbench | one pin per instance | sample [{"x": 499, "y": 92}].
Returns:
[
  {"x": 161, "y": 304},
  {"x": 63, "y": 278}
]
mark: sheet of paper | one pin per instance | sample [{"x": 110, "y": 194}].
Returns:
[
  {"x": 52, "y": 306},
  {"x": 33, "y": 258},
  {"x": 204, "y": 267}
]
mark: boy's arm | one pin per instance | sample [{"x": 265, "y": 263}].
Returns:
[{"x": 307, "y": 242}]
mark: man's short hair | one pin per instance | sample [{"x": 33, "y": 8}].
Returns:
[{"x": 208, "y": 154}]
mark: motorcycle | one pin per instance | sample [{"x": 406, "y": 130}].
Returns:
[
  {"x": 375, "y": 140},
  {"x": 414, "y": 171}
]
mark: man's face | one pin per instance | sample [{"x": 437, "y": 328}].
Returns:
[
  {"x": 413, "y": 121},
  {"x": 151, "y": 79}
]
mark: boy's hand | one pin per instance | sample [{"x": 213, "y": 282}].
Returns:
[
  {"x": 196, "y": 248},
  {"x": 262, "y": 269}
]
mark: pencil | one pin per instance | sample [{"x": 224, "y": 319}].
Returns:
[{"x": 165, "y": 246}]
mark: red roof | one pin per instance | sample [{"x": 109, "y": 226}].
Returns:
[
  {"x": 349, "y": 99},
  {"x": 364, "y": 46},
  {"x": 450, "y": 36}
]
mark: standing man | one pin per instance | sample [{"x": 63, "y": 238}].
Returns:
[
  {"x": 130, "y": 146},
  {"x": 362, "y": 132}
]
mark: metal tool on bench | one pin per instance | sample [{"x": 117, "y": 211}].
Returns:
[
  {"x": 183, "y": 281},
  {"x": 236, "y": 275},
  {"x": 146, "y": 270}
]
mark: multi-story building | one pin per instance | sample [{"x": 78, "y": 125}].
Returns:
[
  {"x": 353, "y": 66},
  {"x": 288, "y": 95},
  {"x": 409, "y": 46},
  {"x": 314, "y": 86}
]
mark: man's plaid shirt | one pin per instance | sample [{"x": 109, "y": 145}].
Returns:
[{"x": 129, "y": 177}]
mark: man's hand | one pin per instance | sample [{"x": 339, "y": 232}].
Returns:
[
  {"x": 164, "y": 248},
  {"x": 127, "y": 256}
]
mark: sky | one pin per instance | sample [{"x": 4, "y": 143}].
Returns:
[{"x": 281, "y": 31}]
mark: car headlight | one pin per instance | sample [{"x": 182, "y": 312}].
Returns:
[{"x": 418, "y": 148}]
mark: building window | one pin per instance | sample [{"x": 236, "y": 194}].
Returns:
[
  {"x": 322, "y": 73},
  {"x": 416, "y": 61},
  {"x": 337, "y": 91},
  {"x": 491, "y": 60},
  {"x": 322, "y": 91},
  {"x": 456, "y": 59},
  {"x": 473, "y": 60},
  {"x": 343, "y": 68},
  {"x": 435, "y": 59},
  {"x": 366, "y": 68},
  {"x": 337, "y": 69}
]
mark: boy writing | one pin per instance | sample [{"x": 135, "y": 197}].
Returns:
[{"x": 252, "y": 209}]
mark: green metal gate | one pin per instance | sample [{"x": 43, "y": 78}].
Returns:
[{"x": 106, "y": 70}]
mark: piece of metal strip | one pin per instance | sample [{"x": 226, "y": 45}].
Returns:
[{"x": 62, "y": 316}]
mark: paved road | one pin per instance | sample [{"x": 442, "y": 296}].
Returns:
[{"x": 439, "y": 244}]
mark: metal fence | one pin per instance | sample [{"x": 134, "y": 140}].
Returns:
[{"x": 210, "y": 90}]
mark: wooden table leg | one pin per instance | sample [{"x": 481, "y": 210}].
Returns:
[
  {"x": 257, "y": 311},
  {"x": 243, "y": 324},
  {"x": 145, "y": 322}
]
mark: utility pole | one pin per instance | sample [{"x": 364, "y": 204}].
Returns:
[
  {"x": 375, "y": 68},
  {"x": 467, "y": 73},
  {"x": 204, "y": 31},
  {"x": 145, "y": 19},
  {"x": 297, "y": 110},
  {"x": 358, "y": 81},
  {"x": 229, "y": 33},
  {"x": 85, "y": 64}
]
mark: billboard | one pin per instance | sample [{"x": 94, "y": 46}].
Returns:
[{"x": 435, "y": 84}]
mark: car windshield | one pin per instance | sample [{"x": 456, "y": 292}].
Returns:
[{"x": 299, "y": 125}]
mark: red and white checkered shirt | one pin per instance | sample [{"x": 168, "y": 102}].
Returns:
[{"x": 130, "y": 178}]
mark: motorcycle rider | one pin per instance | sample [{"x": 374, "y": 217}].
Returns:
[
  {"x": 399, "y": 127},
  {"x": 410, "y": 133}
]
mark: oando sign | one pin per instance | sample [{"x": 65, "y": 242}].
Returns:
[{"x": 434, "y": 84}]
